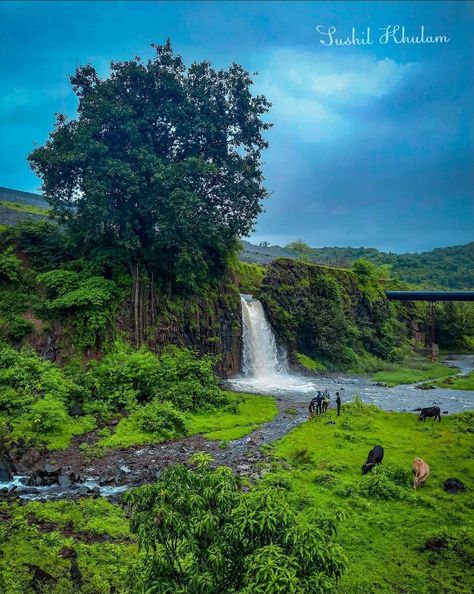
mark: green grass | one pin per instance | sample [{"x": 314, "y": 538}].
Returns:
[
  {"x": 384, "y": 539},
  {"x": 217, "y": 425},
  {"x": 420, "y": 372},
  {"x": 309, "y": 363},
  {"x": 102, "y": 563},
  {"x": 460, "y": 382},
  {"x": 28, "y": 208},
  {"x": 250, "y": 276},
  {"x": 57, "y": 439}
]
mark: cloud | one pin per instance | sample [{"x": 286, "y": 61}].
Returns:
[{"x": 317, "y": 97}]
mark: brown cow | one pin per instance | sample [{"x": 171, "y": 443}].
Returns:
[{"x": 421, "y": 471}]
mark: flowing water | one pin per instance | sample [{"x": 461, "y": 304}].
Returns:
[{"x": 265, "y": 370}]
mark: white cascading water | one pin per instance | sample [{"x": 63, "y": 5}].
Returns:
[
  {"x": 264, "y": 365},
  {"x": 260, "y": 356}
]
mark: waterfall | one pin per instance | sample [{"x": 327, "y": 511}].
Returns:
[
  {"x": 264, "y": 365},
  {"x": 261, "y": 357}
]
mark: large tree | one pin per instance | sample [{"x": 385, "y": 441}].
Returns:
[{"x": 161, "y": 166}]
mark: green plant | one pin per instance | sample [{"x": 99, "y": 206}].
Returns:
[
  {"x": 161, "y": 419},
  {"x": 254, "y": 541},
  {"x": 48, "y": 414}
]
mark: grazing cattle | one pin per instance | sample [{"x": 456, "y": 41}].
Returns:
[
  {"x": 421, "y": 471},
  {"x": 431, "y": 411},
  {"x": 453, "y": 485},
  {"x": 375, "y": 457}
]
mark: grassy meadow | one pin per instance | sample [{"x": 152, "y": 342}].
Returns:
[{"x": 387, "y": 526}]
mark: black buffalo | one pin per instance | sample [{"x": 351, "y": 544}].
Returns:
[
  {"x": 431, "y": 411},
  {"x": 375, "y": 457}
]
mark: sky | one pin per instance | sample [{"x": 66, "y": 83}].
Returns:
[{"x": 371, "y": 145}]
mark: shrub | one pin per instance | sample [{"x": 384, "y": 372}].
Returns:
[
  {"x": 48, "y": 414},
  {"x": 161, "y": 419},
  {"x": 378, "y": 484},
  {"x": 254, "y": 541},
  {"x": 25, "y": 379}
]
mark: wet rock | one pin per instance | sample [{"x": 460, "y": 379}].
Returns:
[
  {"x": 30, "y": 458},
  {"x": 6, "y": 467},
  {"x": 66, "y": 480},
  {"x": 453, "y": 485},
  {"x": 445, "y": 412},
  {"x": 51, "y": 468},
  {"x": 379, "y": 384}
]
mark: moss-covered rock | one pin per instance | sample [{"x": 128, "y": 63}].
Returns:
[{"x": 330, "y": 314}]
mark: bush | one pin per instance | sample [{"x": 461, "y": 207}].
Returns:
[
  {"x": 86, "y": 302},
  {"x": 378, "y": 484},
  {"x": 254, "y": 541},
  {"x": 25, "y": 379},
  {"x": 161, "y": 419},
  {"x": 126, "y": 377},
  {"x": 48, "y": 414}
]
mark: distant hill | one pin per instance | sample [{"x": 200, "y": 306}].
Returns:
[{"x": 451, "y": 267}]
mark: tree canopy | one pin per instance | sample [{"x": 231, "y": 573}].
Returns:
[{"x": 161, "y": 164}]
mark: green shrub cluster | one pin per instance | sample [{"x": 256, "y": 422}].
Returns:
[
  {"x": 88, "y": 303},
  {"x": 154, "y": 389},
  {"x": 254, "y": 541}
]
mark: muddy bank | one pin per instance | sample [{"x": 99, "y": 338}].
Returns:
[{"x": 67, "y": 474}]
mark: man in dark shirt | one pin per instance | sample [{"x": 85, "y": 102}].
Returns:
[
  {"x": 338, "y": 403},
  {"x": 319, "y": 401}
]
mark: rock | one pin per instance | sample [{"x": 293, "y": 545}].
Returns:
[
  {"x": 66, "y": 480},
  {"x": 445, "y": 412},
  {"x": 76, "y": 410},
  {"x": 6, "y": 468},
  {"x": 51, "y": 468},
  {"x": 30, "y": 458},
  {"x": 453, "y": 485}
]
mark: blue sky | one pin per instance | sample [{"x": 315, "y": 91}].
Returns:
[{"x": 371, "y": 145}]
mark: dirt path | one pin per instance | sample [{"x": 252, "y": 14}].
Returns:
[{"x": 119, "y": 469}]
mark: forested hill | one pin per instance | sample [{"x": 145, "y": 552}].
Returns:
[{"x": 450, "y": 267}]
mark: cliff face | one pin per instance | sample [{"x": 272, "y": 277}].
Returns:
[
  {"x": 209, "y": 324},
  {"x": 329, "y": 313}
]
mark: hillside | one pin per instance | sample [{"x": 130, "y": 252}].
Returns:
[{"x": 449, "y": 267}]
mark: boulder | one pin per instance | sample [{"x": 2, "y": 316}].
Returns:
[
  {"x": 453, "y": 485},
  {"x": 6, "y": 468}
]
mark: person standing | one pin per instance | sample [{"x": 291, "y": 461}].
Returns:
[
  {"x": 338, "y": 404},
  {"x": 319, "y": 401}
]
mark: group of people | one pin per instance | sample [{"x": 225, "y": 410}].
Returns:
[{"x": 320, "y": 403}]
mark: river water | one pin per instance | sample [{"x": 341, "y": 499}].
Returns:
[{"x": 268, "y": 374}]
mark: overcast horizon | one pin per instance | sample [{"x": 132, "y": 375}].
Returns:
[{"x": 371, "y": 146}]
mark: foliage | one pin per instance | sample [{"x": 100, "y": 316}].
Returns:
[
  {"x": 10, "y": 266},
  {"x": 300, "y": 248},
  {"x": 254, "y": 541},
  {"x": 161, "y": 164},
  {"x": 250, "y": 276},
  {"x": 26, "y": 379},
  {"x": 48, "y": 414},
  {"x": 87, "y": 302},
  {"x": 243, "y": 414},
  {"x": 126, "y": 377},
  {"x": 161, "y": 419},
  {"x": 449, "y": 268}
]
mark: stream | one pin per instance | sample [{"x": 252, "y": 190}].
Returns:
[{"x": 43, "y": 475}]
